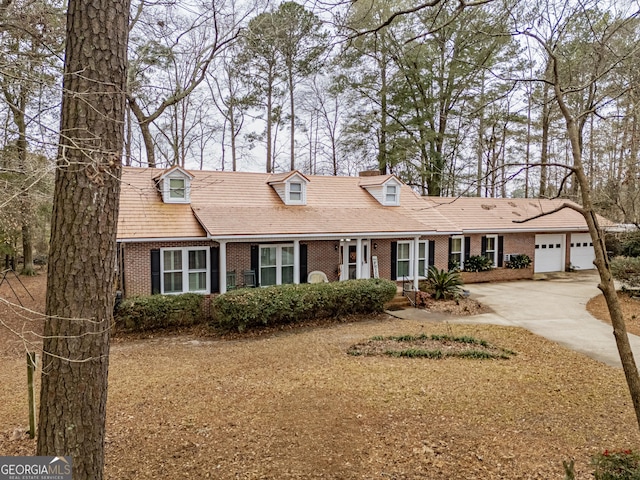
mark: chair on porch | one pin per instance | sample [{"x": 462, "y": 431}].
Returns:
[
  {"x": 231, "y": 280},
  {"x": 317, "y": 277},
  {"x": 249, "y": 278}
]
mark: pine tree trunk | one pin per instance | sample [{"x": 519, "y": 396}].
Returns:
[
  {"x": 292, "y": 122},
  {"x": 80, "y": 282}
]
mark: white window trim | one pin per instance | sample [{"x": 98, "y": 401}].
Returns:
[
  {"x": 461, "y": 237},
  {"x": 412, "y": 262},
  {"x": 495, "y": 251},
  {"x": 396, "y": 195},
  {"x": 303, "y": 192},
  {"x": 166, "y": 190},
  {"x": 185, "y": 270},
  {"x": 278, "y": 265}
]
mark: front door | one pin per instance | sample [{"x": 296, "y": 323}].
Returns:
[{"x": 349, "y": 257}]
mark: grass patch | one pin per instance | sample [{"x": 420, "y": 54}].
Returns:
[{"x": 430, "y": 346}]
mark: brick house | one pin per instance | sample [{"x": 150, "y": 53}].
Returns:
[{"x": 209, "y": 232}]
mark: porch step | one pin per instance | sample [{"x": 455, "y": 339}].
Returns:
[{"x": 399, "y": 302}]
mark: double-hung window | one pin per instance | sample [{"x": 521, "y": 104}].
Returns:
[
  {"x": 184, "y": 270},
  {"x": 405, "y": 259},
  {"x": 177, "y": 188},
  {"x": 491, "y": 248},
  {"x": 276, "y": 264},
  {"x": 295, "y": 192},
  {"x": 391, "y": 197},
  {"x": 455, "y": 253},
  {"x": 423, "y": 258}
]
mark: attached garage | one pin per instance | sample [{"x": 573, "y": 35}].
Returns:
[
  {"x": 549, "y": 256},
  {"x": 582, "y": 254}
]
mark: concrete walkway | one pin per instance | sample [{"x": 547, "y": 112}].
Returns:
[{"x": 554, "y": 308}]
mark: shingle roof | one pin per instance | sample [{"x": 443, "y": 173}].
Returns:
[
  {"x": 144, "y": 215},
  {"x": 502, "y": 214},
  {"x": 243, "y": 203},
  {"x": 231, "y": 204}
]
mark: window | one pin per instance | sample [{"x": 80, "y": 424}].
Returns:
[
  {"x": 184, "y": 270},
  {"x": 491, "y": 249},
  {"x": 455, "y": 255},
  {"x": 392, "y": 194},
  {"x": 172, "y": 271},
  {"x": 404, "y": 261},
  {"x": 295, "y": 192},
  {"x": 423, "y": 264},
  {"x": 177, "y": 188},
  {"x": 276, "y": 264},
  {"x": 197, "y": 270}
]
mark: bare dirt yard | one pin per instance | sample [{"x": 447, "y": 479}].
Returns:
[{"x": 292, "y": 404}]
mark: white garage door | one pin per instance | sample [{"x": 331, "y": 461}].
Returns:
[
  {"x": 549, "y": 253},
  {"x": 582, "y": 254}
]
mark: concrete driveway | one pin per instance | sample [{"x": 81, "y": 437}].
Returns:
[{"x": 554, "y": 308}]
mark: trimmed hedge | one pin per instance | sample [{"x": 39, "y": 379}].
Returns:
[
  {"x": 159, "y": 311},
  {"x": 258, "y": 307}
]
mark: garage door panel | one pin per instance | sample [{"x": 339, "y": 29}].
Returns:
[
  {"x": 581, "y": 251},
  {"x": 549, "y": 253}
]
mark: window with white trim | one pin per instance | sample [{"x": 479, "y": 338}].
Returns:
[
  {"x": 295, "y": 192},
  {"x": 177, "y": 188},
  {"x": 404, "y": 259},
  {"x": 391, "y": 195},
  {"x": 455, "y": 255},
  {"x": 423, "y": 256},
  {"x": 491, "y": 248},
  {"x": 276, "y": 264},
  {"x": 403, "y": 264},
  {"x": 184, "y": 270}
]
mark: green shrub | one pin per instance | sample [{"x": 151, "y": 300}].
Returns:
[
  {"x": 281, "y": 304},
  {"x": 626, "y": 270},
  {"x": 442, "y": 284},
  {"x": 630, "y": 244},
  {"x": 478, "y": 263},
  {"x": 624, "y": 465},
  {"x": 519, "y": 261},
  {"x": 159, "y": 311}
]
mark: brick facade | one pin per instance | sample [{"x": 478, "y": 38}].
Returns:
[
  {"x": 136, "y": 264},
  {"x": 324, "y": 255}
]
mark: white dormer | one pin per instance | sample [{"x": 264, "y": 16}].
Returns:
[
  {"x": 175, "y": 185},
  {"x": 384, "y": 188},
  {"x": 291, "y": 187}
]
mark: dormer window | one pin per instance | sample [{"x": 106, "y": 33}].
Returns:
[
  {"x": 384, "y": 188},
  {"x": 175, "y": 185},
  {"x": 291, "y": 187},
  {"x": 177, "y": 188},
  {"x": 295, "y": 192},
  {"x": 391, "y": 196}
]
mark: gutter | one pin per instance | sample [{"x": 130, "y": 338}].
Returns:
[{"x": 279, "y": 236}]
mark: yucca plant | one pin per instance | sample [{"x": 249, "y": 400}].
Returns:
[{"x": 444, "y": 284}]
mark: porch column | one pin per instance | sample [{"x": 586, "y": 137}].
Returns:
[
  {"x": 223, "y": 266},
  {"x": 296, "y": 261},
  {"x": 416, "y": 262},
  {"x": 358, "y": 258}
]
